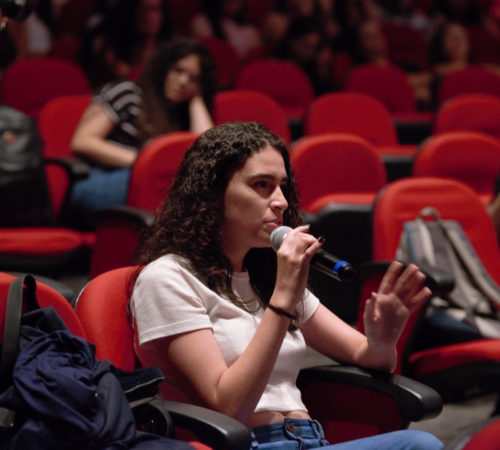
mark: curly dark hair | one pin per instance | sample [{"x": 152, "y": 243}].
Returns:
[
  {"x": 189, "y": 221},
  {"x": 159, "y": 115}
]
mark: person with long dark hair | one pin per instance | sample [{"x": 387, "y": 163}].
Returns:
[
  {"x": 174, "y": 93},
  {"x": 227, "y": 319}
]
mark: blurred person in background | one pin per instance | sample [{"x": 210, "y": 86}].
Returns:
[
  {"x": 277, "y": 21},
  {"x": 24, "y": 36},
  {"x": 371, "y": 48},
  {"x": 226, "y": 20},
  {"x": 304, "y": 45},
  {"x": 123, "y": 40},
  {"x": 174, "y": 93},
  {"x": 449, "y": 49}
]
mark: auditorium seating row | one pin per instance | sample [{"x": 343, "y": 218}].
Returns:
[
  {"x": 344, "y": 157},
  {"x": 28, "y": 84}
]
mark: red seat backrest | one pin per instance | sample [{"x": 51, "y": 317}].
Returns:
[
  {"x": 102, "y": 310},
  {"x": 351, "y": 112},
  {"x": 249, "y": 106},
  {"x": 155, "y": 169},
  {"x": 471, "y": 80},
  {"x": 282, "y": 80},
  {"x": 56, "y": 124},
  {"x": 389, "y": 84},
  {"x": 469, "y": 156},
  {"x": 29, "y": 84},
  {"x": 336, "y": 163},
  {"x": 226, "y": 60},
  {"x": 46, "y": 296},
  {"x": 65, "y": 47},
  {"x": 479, "y": 112},
  {"x": 403, "y": 199}
]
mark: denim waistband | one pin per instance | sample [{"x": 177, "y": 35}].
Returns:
[{"x": 306, "y": 432}]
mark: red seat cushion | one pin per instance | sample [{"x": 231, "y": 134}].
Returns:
[
  {"x": 451, "y": 356},
  {"x": 41, "y": 241}
]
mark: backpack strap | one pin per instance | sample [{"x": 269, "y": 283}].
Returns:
[
  {"x": 12, "y": 326},
  {"x": 469, "y": 258},
  {"x": 424, "y": 243}
]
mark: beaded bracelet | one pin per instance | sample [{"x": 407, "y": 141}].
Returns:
[{"x": 281, "y": 312}]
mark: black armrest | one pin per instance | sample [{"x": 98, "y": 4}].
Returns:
[
  {"x": 134, "y": 216},
  {"x": 414, "y": 400},
  {"x": 76, "y": 169},
  {"x": 309, "y": 218},
  {"x": 213, "y": 429},
  {"x": 438, "y": 281}
]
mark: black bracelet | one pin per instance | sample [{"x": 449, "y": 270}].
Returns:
[{"x": 281, "y": 312}]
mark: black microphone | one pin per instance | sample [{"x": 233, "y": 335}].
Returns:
[{"x": 322, "y": 261}]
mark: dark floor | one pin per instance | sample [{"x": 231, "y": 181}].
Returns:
[{"x": 458, "y": 416}]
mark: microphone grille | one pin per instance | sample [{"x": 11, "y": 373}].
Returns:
[{"x": 277, "y": 237}]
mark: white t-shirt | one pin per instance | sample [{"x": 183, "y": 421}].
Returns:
[{"x": 169, "y": 299}]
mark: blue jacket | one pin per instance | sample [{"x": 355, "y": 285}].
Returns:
[{"x": 64, "y": 398}]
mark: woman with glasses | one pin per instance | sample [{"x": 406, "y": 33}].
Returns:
[{"x": 173, "y": 93}]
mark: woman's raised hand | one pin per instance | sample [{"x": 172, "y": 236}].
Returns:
[{"x": 387, "y": 311}]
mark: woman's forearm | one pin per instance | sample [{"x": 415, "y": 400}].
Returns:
[
  {"x": 382, "y": 358},
  {"x": 199, "y": 116},
  {"x": 241, "y": 386},
  {"x": 196, "y": 362},
  {"x": 103, "y": 152}
]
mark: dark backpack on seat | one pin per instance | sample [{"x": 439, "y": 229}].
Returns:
[
  {"x": 24, "y": 192},
  {"x": 54, "y": 393}
]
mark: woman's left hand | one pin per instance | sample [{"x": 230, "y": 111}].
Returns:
[
  {"x": 388, "y": 310},
  {"x": 199, "y": 116}
]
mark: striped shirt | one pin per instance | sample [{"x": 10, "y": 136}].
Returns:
[{"x": 121, "y": 99}]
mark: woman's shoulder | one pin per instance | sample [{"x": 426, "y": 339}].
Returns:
[
  {"x": 170, "y": 278},
  {"x": 167, "y": 263},
  {"x": 119, "y": 89},
  {"x": 172, "y": 270}
]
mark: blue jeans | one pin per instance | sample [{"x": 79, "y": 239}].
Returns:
[
  {"x": 101, "y": 189},
  {"x": 306, "y": 434}
]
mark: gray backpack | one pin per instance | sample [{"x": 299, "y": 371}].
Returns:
[
  {"x": 443, "y": 244},
  {"x": 24, "y": 192}
]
